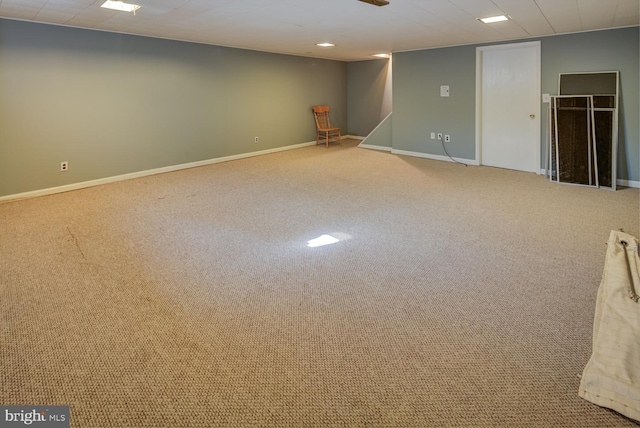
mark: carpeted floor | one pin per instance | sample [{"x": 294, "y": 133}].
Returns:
[{"x": 456, "y": 296}]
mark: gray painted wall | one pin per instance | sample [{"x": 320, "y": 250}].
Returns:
[
  {"x": 380, "y": 137},
  {"x": 602, "y": 51},
  {"x": 369, "y": 95},
  {"x": 418, "y": 108},
  {"x": 112, "y": 104}
]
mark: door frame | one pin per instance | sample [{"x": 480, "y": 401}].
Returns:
[{"x": 479, "y": 55}]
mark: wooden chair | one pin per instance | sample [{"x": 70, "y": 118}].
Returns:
[{"x": 326, "y": 132}]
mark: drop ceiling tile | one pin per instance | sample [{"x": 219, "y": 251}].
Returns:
[
  {"x": 75, "y": 4},
  {"x": 595, "y": 14},
  {"x": 478, "y": 8},
  {"x": 85, "y": 21},
  {"x": 19, "y": 11},
  {"x": 292, "y": 26},
  {"x": 54, "y": 16},
  {"x": 412, "y": 12},
  {"x": 627, "y": 13},
  {"x": 165, "y": 4},
  {"x": 442, "y": 9},
  {"x": 24, "y": 3},
  {"x": 527, "y": 15},
  {"x": 511, "y": 30},
  {"x": 563, "y": 16}
]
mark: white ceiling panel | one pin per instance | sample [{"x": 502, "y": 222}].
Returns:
[
  {"x": 596, "y": 14},
  {"x": 359, "y": 29},
  {"x": 563, "y": 15},
  {"x": 478, "y": 8},
  {"x": 58, "y": 17},
  {"x": 527, "y": 15},
  {"x": 510, "y": 30},
  {"x": 19, "y": 12},
  {"x": 627, "y": 13}
]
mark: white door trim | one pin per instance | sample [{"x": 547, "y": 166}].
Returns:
[{"x": 479, "y": 52}]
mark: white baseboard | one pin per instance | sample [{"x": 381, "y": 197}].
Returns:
[
  {"x": 628, "y": 183},
  {"x": 353, "y": 137},
  {"x": 434, "y": 157},
  {"x": 619, "y": 182},
  {"x": 106, "y": 180},
  {"x": 370, "y": 146}
]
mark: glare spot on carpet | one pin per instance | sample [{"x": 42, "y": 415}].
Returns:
[
  {"x": 328, "y": 239},
  {"x": 322, "y": 240}
]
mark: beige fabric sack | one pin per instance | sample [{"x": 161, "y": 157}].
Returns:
[{"x": 611, "y": 378}]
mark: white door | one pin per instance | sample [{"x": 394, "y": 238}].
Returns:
[{"x": 509, "y": 83}]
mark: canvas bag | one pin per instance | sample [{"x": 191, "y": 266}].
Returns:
[{"x": 611, "y": 378}]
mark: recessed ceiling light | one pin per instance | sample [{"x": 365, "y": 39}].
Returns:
[
  {"x": 382, "y": 55},
  {"x": 325, "y": 45},
  {"x": 492, "y": 19},
  {"x": 121, "y": 6}
]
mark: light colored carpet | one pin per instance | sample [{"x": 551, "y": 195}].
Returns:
[{"x": 456, "y": 297}]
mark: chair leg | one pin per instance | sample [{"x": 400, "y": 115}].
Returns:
[{"x": 327, "y": 137}]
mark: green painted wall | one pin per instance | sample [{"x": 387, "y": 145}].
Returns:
[
  {"x": 381, "y": 136},
  {"x": 602, "y": 51},
  {"x": 369, "y": 95},
  {"x": 418, "y": 108},
  {"x": 112, "y": 104}
]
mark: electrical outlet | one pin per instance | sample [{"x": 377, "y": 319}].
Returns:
[
  {"x": 433, "y": 135},
  {"x": 64, "y": 166},
  {"x": 439, "y": 135},
  {"x": 447, "y": 138},
  {"x": 256, "y": 139}
]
